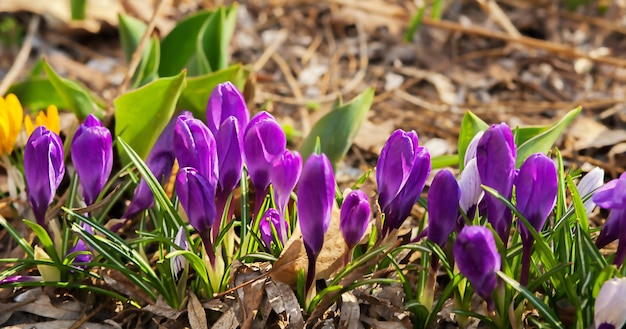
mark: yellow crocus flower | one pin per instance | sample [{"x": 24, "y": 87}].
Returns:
[
  {"x": 50, "y": 121},
  {"x": 11, "y": 113}
]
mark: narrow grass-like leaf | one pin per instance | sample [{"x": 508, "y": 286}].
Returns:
[
  {"x": 415, "y": 23},
  {"x": 78, "y": 9},
  {"x": 543, "y": 309},
  {"x": 17, "y": 237}
]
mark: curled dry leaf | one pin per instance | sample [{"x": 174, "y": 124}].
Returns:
[
  {"x": 59, "y": 324},
  {"x": 196, "y": 313},
  {"x": 42, "y": 306},
  {"x": 350, "y": 312},
  {"x": 293, "y": 258},
  {"x": 228, "y": 320},
  {"x": 284, "y": 303},
  {"x": 161, "y": 308}
]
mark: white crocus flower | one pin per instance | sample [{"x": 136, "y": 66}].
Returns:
[
  {"x": 589, "y": 183},
  {"x": 610, "y": 307},
  {"x": 469, "y": 183}
]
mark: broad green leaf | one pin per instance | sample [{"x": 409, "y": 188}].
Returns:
[
  {"x": 141, "y": 115},
  {"x": 213, "y": 39},
  {"x": 37, "y": 94},
  {"x": 147, "y": 71},
  {"x": 176, "y": 48},
  {"x": 196, "y": 94},
  {"x": 44, "y": 238},
  {"x": 470, "y": 126},
  {"x": 446, "y": 160},
  {"x": 337, "y": 129},
  {"x": 78, "y": 8},
  {"x": 523, "y": 134},
  {"x": 76, "y": 98},
  {"x": 544, "y": 141},
  {"x": 131, "y": 30}
]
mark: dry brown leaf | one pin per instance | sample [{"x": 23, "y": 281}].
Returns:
[
  {"x": 372, "y": 136},
  {"x": 60, "y": 324},
  {"x": 228, "y": 320},
  {"x": 250, "y": 296},
  {"x": 588, "y": 133},
  {"x": 42, "y": 306},
  {"x": 122, "y": 284},
  {"x": 350, "y": 312},
  {"x": 284, "y": 301},
  {"x": 293, "y": 258},
  {"x": 161, "y": 308},
  {"x": 383, "y": 324},
  {"x": 196, "y": 313},
  {"x": 58, "y": 11}
]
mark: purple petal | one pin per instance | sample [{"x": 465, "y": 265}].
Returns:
[
  {"x": 226, "y": 101},
  {"x": 197, "y": 197},
  {"x": 229, "y": 155},
  {"x": 269, "y": 219},
  {"x": 477, "y": 258},
  {"x": 354, "y": 217},
  {"x": 286, "y": 169},
  {"x": 316, "y": 195},
  {"x": 263, "y": 141},
  {"x": 443, "y": 196}
]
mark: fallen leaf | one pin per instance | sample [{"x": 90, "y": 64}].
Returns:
[
  {"x": 350, "y": 312},
  {"x": 284, "y": 301},
  {"x": 372, "y": 136},
  {"x": 60, "y": 324},
  {"x": 197, "y": 315},
  {"x": 293, "y": 258},
  {"x": 588, "y": 133},
  {"x": 42, "y": 306},
  {"x": 228, "y": 320},
  {"x": 161, "y": 308}
]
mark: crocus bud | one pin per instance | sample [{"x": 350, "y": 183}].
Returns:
[
  {"x": 229, "y": 156},
  {"x": 160, "y": 162},
  {"x": 179, "y": 262},
  {"x": 197, "y": 197},
  {"x": 226, "y": 101},
  {"x": 588, "y": 184},
  {"x": 536, "y": 189},
  {"x": 401, "y": 173},
  {"x": 43, "y": 169},
  {"x": 316, "y": 195},
  {"x": 194, "y": 146},
  {"x": 471, "y": 191},
  {"x": 263, "y": 141},
  {"x": 81, "y": 246},
  {"x": 478, "y": 260},
  {"x": 284, "y": 175},
  {"x": 354, "y": 217},
  {"x": 495, "y": 157},
  {"x": 610, "y": 306},
  {"x": 272, "y": 218},
  {"x": 48, "y": 272},
  {"x": 92, "y": 156},
  {"x": 443, "y": 196}
]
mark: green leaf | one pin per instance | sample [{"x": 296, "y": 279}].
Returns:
[
  {"x": 543, "y": 142},
  {"x": 338, "y": 127},
  {"x": 523, "y": 134},
  {"x": 196, "y": 94},
  {"x": 470, "y": 126},
  {"x": 213, "y": 39},
  {"x": 37, "y": 94},
  {"x": 18, "y": 237},
  {"x": 131, "y": 30},
  {"x": 78, "y": 8},
  {"x": 147, "y": 71},
  {"x": 141, "y": 114},
  {"x": 178, "y": 52},
  {"x": 442, "y": 161},
  {"x": 76, "y": 98},
  {"x": 415, "y": 23},
  {"x": 44, "y": 238},
  {"x": 543, "y": 309}
]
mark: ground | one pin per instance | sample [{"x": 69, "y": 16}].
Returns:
[{"x": 521, "y": 62}]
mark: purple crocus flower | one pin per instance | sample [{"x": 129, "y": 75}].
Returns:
[
  {"x": 284, "y": 175},
  {"x": 443, "y": 196},
  {"x": 197, "y": 197},
  {"x": 401, "y": 173},
  {"x": 495, "y": 156},
  {"x": 478, "y": 260},
  {"x": 81, "y": 246},
  {"x": 354, "y": 217},
  {"x": 194, "y": 146},
  {"x": 613, "y": 196},
  {"x": 536, "y": 189},
  {"x": 92, "y": 156},
  {"x": 43, "y": 169},
  {"x": 316, "y": 195},
  {"x": 226, "y": 101},
  {"x": 160, "y": 162},
  {"x": 263, "y": 141},
  {"x": 272, "y": 218},
  {"x": 20, "y": 278}
]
